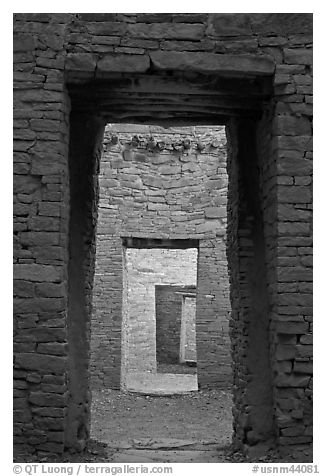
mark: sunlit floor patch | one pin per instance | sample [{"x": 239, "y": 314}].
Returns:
[{"x": 161, "y": 383}]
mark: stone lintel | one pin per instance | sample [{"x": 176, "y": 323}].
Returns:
[
  {"x": 201, "y": 62},
  {"x": 185, "y": 294},
  {"x": 80, "y": 62},
  {"x": 110, "y": 63},
  {"x": 243, "y": 65},
  {"x": 121, "y": 63}
]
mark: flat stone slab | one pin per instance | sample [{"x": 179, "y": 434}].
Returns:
[
  {"x": 178, "y": 456},
  {"x": 123, "y": 64},
  {"x": 243, "y": 65},
  {"x": 161, "y": 384},
  {"x": 166, "y": 444}
]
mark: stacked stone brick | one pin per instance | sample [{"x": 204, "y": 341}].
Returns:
[{"x": 261, "y": 65}]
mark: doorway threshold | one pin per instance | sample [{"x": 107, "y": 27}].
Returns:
[{"x": 147, "y": 383}]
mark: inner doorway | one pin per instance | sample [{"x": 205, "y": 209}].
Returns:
[
  {"x": 156, "y": 325},
  {"x": 162, "y": 188}
]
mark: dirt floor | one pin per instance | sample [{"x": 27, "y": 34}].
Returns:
[
  {"x": 199, "y": 416},
  {"x": 196, "y": 427}
]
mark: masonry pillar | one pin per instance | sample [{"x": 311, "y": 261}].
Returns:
[
  {"x": 253, "y": 406},
  {"x": 188, "y": 329},
  {"x": 86, "y": 136}
]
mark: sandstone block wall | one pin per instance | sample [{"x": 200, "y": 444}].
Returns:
[{"x": 73, "y": 73}]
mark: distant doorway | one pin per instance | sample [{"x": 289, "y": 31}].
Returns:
[{"x": 154, "y": 281}]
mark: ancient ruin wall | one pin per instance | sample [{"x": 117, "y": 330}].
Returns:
[{"x": 54, "y": 51}]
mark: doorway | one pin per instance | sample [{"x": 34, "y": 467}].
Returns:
[{"x": 247, "y": 132}]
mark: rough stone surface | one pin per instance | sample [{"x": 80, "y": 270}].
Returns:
[
  {"x": 212, "y": 63},
  {"x": 47, "y": 89},
  {"x": 123, "y": 63}
]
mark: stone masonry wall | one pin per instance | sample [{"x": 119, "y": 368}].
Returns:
[
  {"x": 176, "y": 190},
  {"x": 251, "y": 71}
]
